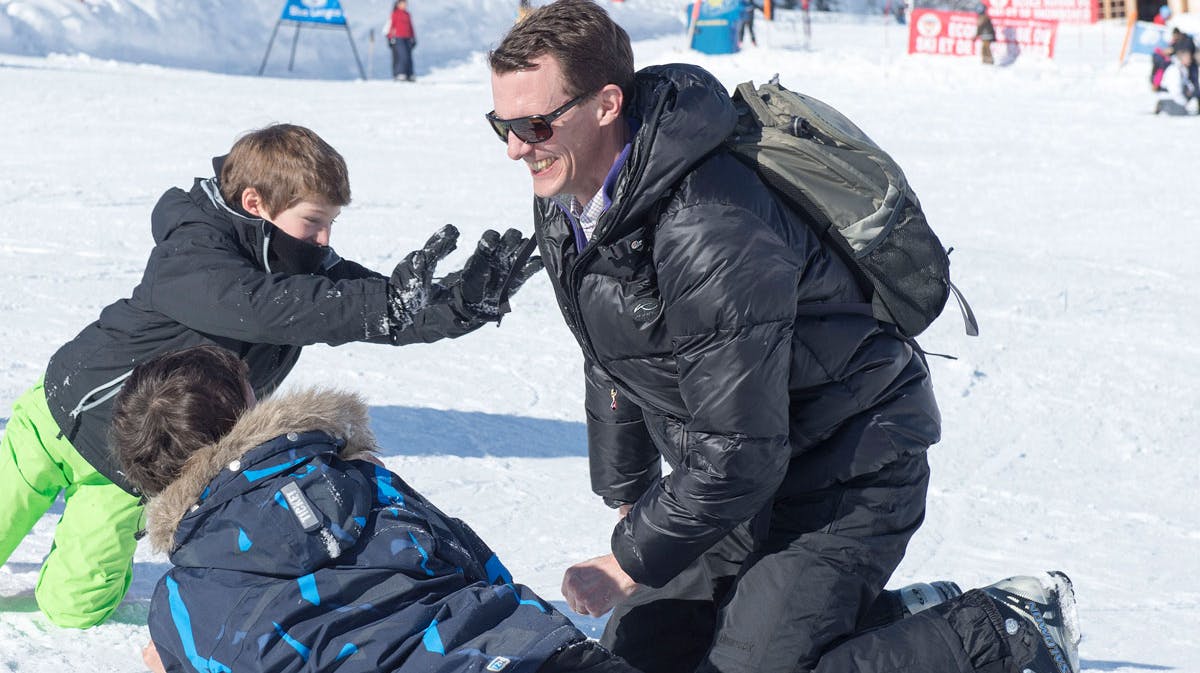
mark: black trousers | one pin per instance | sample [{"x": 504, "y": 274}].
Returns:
[
  {"x": 780, "y": 590},
  {"x": 959, "y": 636},
  {"x": 402, "y": 63}
]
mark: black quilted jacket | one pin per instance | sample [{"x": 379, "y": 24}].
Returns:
[{"x": 685, "y": 303}]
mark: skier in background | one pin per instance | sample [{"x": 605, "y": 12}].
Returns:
[
  {"x": 746, "y": 22},
  {"x": 985, "y": 33},
  {"x": 402, "y": 39}
]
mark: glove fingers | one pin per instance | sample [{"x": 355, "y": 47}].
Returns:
[
  {"x": 511, "y": 241},
  {"x": 442, "y": 243},
  {"x": 525, "y": 273}
]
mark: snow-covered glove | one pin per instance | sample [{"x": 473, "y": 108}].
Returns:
[
  {"x": 422, "y": 308},
  {"x": 418, "y": 310}
]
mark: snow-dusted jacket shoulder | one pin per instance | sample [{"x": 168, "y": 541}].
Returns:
[
  {"x": 208, "y": 281},
  {"x": 293, "y": 554},
  {"x": 686, "y": 303}
]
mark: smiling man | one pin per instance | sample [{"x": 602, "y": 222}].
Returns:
[{"x": 796, "y": 435}]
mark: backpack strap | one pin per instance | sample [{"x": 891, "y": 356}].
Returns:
[{"x": 968, "y": 315}]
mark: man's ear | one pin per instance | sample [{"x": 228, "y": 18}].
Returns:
[
  {"x": 252, "y": 202},
  {"x": 612, "y": 101}
]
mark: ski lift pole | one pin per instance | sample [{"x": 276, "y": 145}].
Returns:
[
  {"x": 354, "y": 49},
  {"x": 371, "y": 55},
  {"x": 295, "y": 41},
  {"x": 267, "y": 55}
]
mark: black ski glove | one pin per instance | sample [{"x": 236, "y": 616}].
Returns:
[
  {"x": 497, "y": 269},
  {"x": 424, "y": 309}
]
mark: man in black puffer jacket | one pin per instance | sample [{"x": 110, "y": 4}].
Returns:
[{"x": 796, "y": 437}]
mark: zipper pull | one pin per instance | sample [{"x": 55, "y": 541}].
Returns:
[{"x": 613, "y": 394}]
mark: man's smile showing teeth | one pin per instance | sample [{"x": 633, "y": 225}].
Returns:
[{"x": 540, "y": 165}]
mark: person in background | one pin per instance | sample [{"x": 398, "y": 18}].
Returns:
[
  {"x": 1163, "y": 15},
  {"x": 1183, "y": 51},
  {"x": 241, "y": 261},
  {"x": 746, "y": 22},
  {"x": 985, "y": 33},
  {"x": 524, "y": 7},
  {"x": 1176, "y": 87},
  {"x": 402, "y": 39}
]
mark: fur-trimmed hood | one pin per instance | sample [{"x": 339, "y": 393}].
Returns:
[
  {"x": 341, "y": 415},
  {"x": 291, "y": 555}
]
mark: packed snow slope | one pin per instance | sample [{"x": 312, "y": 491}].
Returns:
[{"x": 1070, "y": 423}]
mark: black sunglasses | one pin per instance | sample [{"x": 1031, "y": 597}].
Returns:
[{"x": 531, "y": 129}]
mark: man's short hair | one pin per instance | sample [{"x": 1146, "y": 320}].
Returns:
[
  {"x": 591, "y": 48},
  {"x": 171, "y": 406},
  {"x": 287, "y": 164}
]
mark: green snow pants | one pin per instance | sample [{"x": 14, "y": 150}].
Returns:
[{"x": 90, "y": 564}]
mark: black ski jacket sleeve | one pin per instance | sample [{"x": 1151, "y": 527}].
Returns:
[
  {"x": 729, "y": 306},
  {"x": 195, "y": 278}
]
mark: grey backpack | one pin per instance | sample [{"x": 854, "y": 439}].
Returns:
[{"x": 825, "y": 167}]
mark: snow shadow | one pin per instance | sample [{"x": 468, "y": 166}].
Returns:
[
  {"x": 1101, "y": 665},
  {"x": 415, "y": 431}
]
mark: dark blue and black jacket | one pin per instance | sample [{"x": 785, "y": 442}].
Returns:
[{"x": 292, "y": 553}]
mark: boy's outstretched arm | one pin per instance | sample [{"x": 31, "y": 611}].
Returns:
[{"x": 197, "y": 281}]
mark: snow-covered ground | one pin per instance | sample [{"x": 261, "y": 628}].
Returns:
[{"x": 1070, "y": 424}]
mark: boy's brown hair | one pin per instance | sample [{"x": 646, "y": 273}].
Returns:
[
  {"x": 171, "y": 406},
  {"x": 287, "y": 164},
  {"x": 591, "y": 48}
]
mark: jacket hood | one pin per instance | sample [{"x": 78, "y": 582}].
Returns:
[
  {"x": 685, "y": 113},
  {"x": 307, "y": 422},
  {"x": 204, "y": 203}
]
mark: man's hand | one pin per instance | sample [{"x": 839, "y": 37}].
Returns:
[
  {"x": 491, "y": 275},
  {"x": 424, "y": 308},
  {"x": 150, "y": 658},
  {"x": 595, "y": 586}
]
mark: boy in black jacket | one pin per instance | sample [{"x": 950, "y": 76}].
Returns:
[{"x": 240, "y": 261}]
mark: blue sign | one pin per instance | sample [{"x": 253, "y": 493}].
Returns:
[
  {"x": 315, "y": 11},
  {"x": 717, "y": 27},
  {"x": 1147, "y": 37}
]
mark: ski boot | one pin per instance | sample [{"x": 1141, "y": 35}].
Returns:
[
  {"x": 1040, "y": 621},
  {"x": 922, "y": 596}
]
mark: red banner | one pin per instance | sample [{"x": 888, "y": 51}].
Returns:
[
  {"x": 1065, "y": 11},
  {"x": 933, "y": 31}
]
